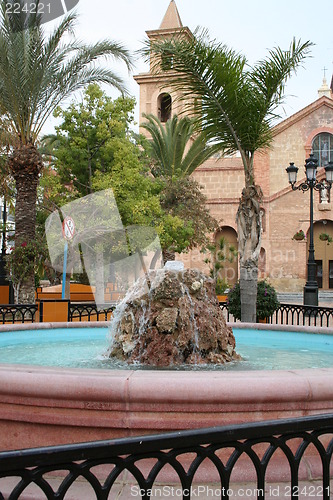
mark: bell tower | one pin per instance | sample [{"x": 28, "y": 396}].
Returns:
[{"x": 155, "y": 97}]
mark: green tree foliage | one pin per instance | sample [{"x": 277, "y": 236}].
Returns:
[
  {"x": 93, "y": 149},
  {"x": 37, "y": 71},
  {"x": 28, "y": 257},
  {"x": 6, "y": 180},
  {"x": 89, "y": 137},
  {"x": 267, "y": 302},
  {"x": 183, "y": 198},
  {"x": 138, "y": 196},
  {"x": 7, "y": 185}
]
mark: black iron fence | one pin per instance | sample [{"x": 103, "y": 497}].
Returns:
[
  {"x": 294, "y": 314},
  {"x": 287, "y": 314},
  {"x": 90, "y": 312},
  {"x": 291, "y": 314},
  {"x": 23, "y": 313},
  {"x": 29, "y": 313},
  {"x": 53, "y": 471}
]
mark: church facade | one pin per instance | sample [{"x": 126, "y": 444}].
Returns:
[{"x": 283, "y": 256}]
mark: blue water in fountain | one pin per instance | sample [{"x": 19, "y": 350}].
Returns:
[{"x": 87, "y": 348}]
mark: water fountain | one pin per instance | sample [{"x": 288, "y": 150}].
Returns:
[
  {"x": 42, "y": 406},
  {"x": 171, "y": 317},
  {"x": 46, "y": 405}
]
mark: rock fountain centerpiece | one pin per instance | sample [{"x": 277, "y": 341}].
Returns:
[{"x": 171, "y": 317}]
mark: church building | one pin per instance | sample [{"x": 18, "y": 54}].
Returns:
[{"x": 285, "y": 213}]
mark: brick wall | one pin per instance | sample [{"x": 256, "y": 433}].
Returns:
[{"x": 285, "y": 212}]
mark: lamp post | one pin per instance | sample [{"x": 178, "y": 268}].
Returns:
[{"x": 310, "y": 296}]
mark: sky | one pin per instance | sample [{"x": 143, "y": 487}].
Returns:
[{"x": 250, "y": 27}]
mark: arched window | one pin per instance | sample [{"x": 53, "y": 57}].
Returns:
[
  {"x": 164, "y": 107},
  {"x": 322, "y": 148}
]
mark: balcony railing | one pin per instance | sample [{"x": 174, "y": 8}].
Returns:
[{"x": 37, "y": 472}]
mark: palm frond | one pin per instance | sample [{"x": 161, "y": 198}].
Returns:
[
  {"x": 37, "y": 71},
  {"x": 236, "y": 102},
  {"x": 268, "y": 77},
  {"x": 175, "y": 146},
  {"x": 159, "y": 143}
]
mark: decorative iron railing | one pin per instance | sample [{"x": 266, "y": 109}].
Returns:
[
  {"x": 90, "y": 312},
  {"x": 291, "y": 314},
  {"x": 33, "y": 472},
  {"x": 23, "y": 313},
  {"x": 287, "y": 314},
  {"x": 294, "y": 314}
]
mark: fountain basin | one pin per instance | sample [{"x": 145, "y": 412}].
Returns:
[{"x": 43, "y": 406}]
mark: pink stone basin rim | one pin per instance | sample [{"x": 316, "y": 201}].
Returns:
[{"x": 43, "y": 406}]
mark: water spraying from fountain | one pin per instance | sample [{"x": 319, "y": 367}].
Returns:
[{"x": 171, "y": 318}]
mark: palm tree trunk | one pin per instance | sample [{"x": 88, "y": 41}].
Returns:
[
  {"x": 249, "y": 243},
  {"x": 25, "y": 165},
  {"x": 248, "y": 291},
  {"x": 25, "y": 222}
]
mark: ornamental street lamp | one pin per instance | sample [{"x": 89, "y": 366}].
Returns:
[{"x": 310, "y": 297}]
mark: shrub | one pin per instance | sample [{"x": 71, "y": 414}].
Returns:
[
  {"x": 221, "y": 286},
  {"x": 267, "y": 301},
  {"x": 23, "y": 259}
]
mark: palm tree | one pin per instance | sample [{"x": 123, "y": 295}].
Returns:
[
  {"x": 36, "y": 73},
  {"x": 237, "y": 106},
  {"x": 175, "y": 148}
]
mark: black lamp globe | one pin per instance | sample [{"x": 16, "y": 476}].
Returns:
[
  {"x": 292, "y": 173},
  {"x": 311, "y": 165},
  {"x": 329, "y": 172}
]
